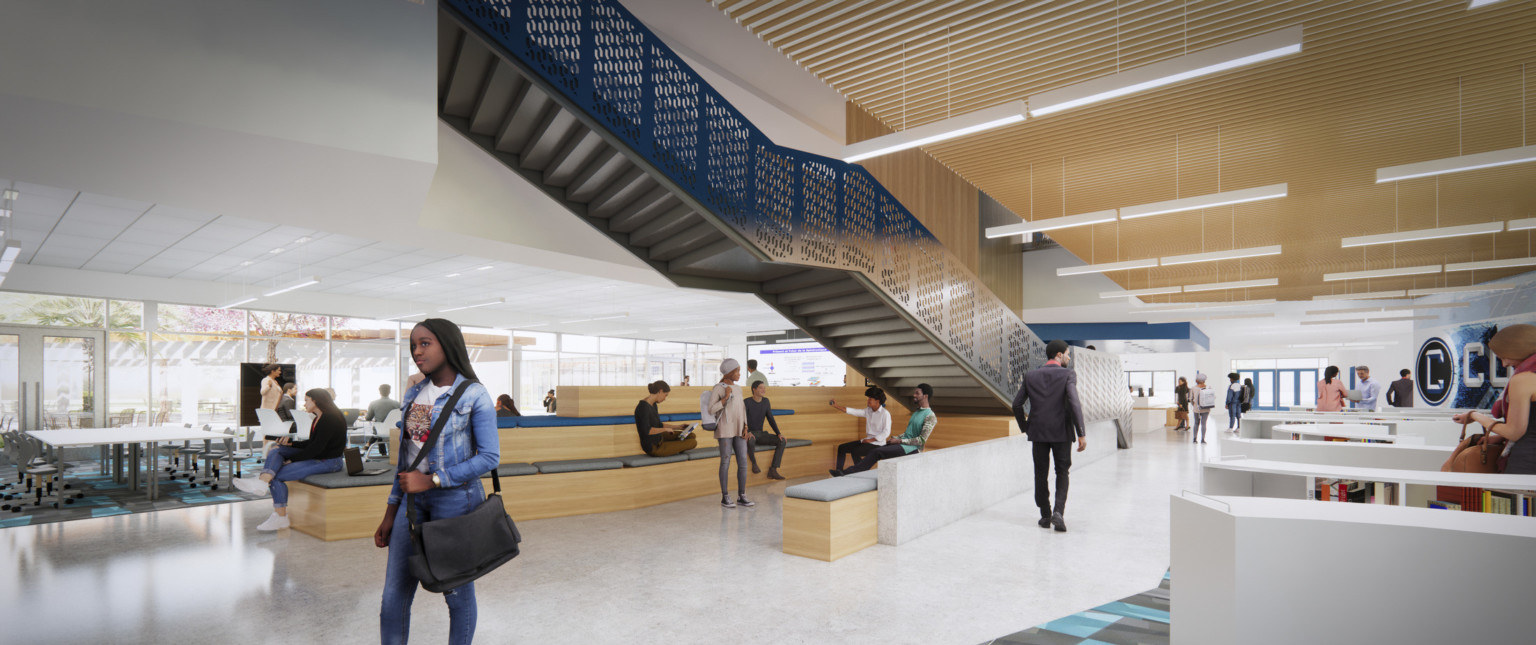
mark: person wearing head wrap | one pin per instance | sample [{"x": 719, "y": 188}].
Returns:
[
  {"x": 1203, "y": 395},
  {"x": 730, "y": 414},
  {"x": 1511, "y": 420}
]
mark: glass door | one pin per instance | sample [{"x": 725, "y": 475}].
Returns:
[{"x": 53, "y": 378}]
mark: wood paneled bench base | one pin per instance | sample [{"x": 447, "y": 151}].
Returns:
[
  {"x": 346, "y": 513},
  {"x": 830, "y": 530}
]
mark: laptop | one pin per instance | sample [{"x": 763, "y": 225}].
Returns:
[{"x": 354, "y": 461}]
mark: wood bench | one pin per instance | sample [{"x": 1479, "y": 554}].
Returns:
[{"x": 831, "y": 518}]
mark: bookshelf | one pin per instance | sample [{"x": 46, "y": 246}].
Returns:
[{"x": 1338, "y": 453}]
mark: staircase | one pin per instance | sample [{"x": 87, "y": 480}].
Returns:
[{"x": 579, "y": 98}]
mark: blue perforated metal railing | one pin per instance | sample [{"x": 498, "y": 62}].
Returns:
[{"x": 792, "y": 206}]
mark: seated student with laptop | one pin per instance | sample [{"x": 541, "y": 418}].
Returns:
[{"x": 296, "y": 459}]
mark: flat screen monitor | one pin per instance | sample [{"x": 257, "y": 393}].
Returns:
[{"x": 250, "y": 387}]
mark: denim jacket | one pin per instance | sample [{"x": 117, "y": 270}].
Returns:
[{"x": 470, "y": 445}]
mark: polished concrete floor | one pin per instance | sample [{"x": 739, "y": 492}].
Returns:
[{"x": 687, "y": 572}]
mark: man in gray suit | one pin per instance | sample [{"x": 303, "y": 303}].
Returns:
[{"x": 1055, "y": 417}]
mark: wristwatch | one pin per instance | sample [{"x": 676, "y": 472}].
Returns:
[{"x": 436, "y": 483}]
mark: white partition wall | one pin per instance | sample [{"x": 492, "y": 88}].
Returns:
[
  {"x": 1280, "y": 572},
  {"x": 927, "y": 491}
]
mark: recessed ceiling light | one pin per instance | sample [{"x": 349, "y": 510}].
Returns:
[
  {"x": 453, "y": 275},
  {"x": 304, "y": 240},
  {"x": 297, "y": 284},
  {"x": 10, "y": 194},
  {"x": 484, "y": 268},
  {"x": 276, "y": 251},
  {"x": 247, "y": 263},
  {"x": 412, "y": 284},
  {"x": 5, "y": 212},
  {"x": 237, "y": 303}
]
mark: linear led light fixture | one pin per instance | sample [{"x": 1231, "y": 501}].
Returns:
[
  {"x": 1506, "y": 263},
  {"x": 1214, "y": 256},
  {"x": 1399, "y": 319},
  {"x": 1232, "y": 55},
  {"x": 1220, "y": 317},
  {"x": 473, "y": 306},
  {"x": 1383, "y": 273},
  {"x": 5, "y": 212},
  {"x": 953, "y": 127},
  {"x": 1204, "y": 306},
  {"x": 1448, "y": 165},
  {"x": 1054, "y": 223},
  {"x": 1146, "y": 263},
  {"x": 297, "y": 284},
  {"x": 1351, "y": 321},
  {"x": 1154, "y": 291},
  {"x": 1353, "y": 310},
  {"x": 237, "y": 303},
  {"x": 398, "y": 317},
  {"x": 1449, "y": 305},
  {"x": 1364, "y": 295},
  {"x": 1236, "y": 284},
  {"x": 1521, "y": 224},
  {"x": 1471, "y": 288},
  {"x": 8, "y": 255},
  {"x": 1474, "y": 4},
  {"x": 1213, "y": 200},
  {"x": 582, "y": 320},
  {"x": 1423, "y": 234},
  {"x": 10, "y": 194}
]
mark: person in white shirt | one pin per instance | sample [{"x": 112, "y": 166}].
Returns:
[
  {"x": 1370, "y": 391},
  {"x": 877, "y": 427}
]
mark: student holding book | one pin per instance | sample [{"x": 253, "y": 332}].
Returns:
[{"x": 1515, "y": 347}]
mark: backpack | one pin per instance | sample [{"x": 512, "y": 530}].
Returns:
[{"x": 1207, "y": 397}]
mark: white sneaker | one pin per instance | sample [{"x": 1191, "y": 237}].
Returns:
[
  {"x": 274, "y": 523},
  {"x": 252, "y": 486}
]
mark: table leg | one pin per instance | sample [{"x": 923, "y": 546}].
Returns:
[
  {"x": 133, "y": 471},
  {"x": 153, "y": 486}
]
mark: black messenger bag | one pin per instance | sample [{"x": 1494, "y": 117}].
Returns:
[{"x": 451, "y": 551}]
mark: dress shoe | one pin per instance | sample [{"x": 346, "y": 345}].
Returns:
[
  {"x": 1058, "y": 523},
  {"x": 836, "y": 473},
  {"x": 1045, "y": 522}
]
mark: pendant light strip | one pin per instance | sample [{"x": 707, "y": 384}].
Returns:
[
  {"x": 1507, "y": 263},
  {"x": 1213, "y": 200},
  {"x": 1052, "y": 224},
  {"x": 1383, "y": 273},
  {"x": 953, "y": 127},
  {"x": 1441, "y": 233},
  {"x": 1463, "y": 163}
]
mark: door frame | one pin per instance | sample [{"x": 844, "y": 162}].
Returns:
[{"x": 30, "y": 370}]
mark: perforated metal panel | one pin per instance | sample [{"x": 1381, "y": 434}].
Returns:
[
  {"x": 792, "y": 206},
  {"x": 1101, "y": 386}
]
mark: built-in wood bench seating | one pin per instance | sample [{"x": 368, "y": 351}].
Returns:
[
  {"x": 831, "y": 518},
  {"x": 585, "y": 477}
]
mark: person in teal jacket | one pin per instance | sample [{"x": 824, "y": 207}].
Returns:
[{"x": 919, "y": 427}]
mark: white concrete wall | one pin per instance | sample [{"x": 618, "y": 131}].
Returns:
[{"x": 927, "y": 491}]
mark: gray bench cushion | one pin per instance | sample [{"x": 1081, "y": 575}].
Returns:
[
  {"x": 828, "y": 490},
  {"x": 340, "y": 478},
  {"x": 640, "y": 461},
  {"x": 868, "y": 474},
  {"x": 513, "y": 470},
  {"x": 578, "y": 465}
]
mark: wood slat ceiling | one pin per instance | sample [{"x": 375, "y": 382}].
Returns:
[{"x": 1377, "y": 84}]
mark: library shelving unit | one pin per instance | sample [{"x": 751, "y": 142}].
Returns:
[{"x": 1338, "y": 453}]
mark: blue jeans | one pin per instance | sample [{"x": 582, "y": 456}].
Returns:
[
  {"x": 400, "y": 585},
  {"x": 1234, "y": 417},
  {"x": 282, "y": 472}
]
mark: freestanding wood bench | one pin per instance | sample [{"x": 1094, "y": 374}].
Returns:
[{"x": 831, "y": 518}]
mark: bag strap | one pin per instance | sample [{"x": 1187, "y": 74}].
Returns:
[{"x": 432, "y": 435}]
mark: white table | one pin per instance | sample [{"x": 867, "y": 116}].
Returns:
[
  {"x": 1345, "y": 430},
  {"x": 131, "y": 436}
]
